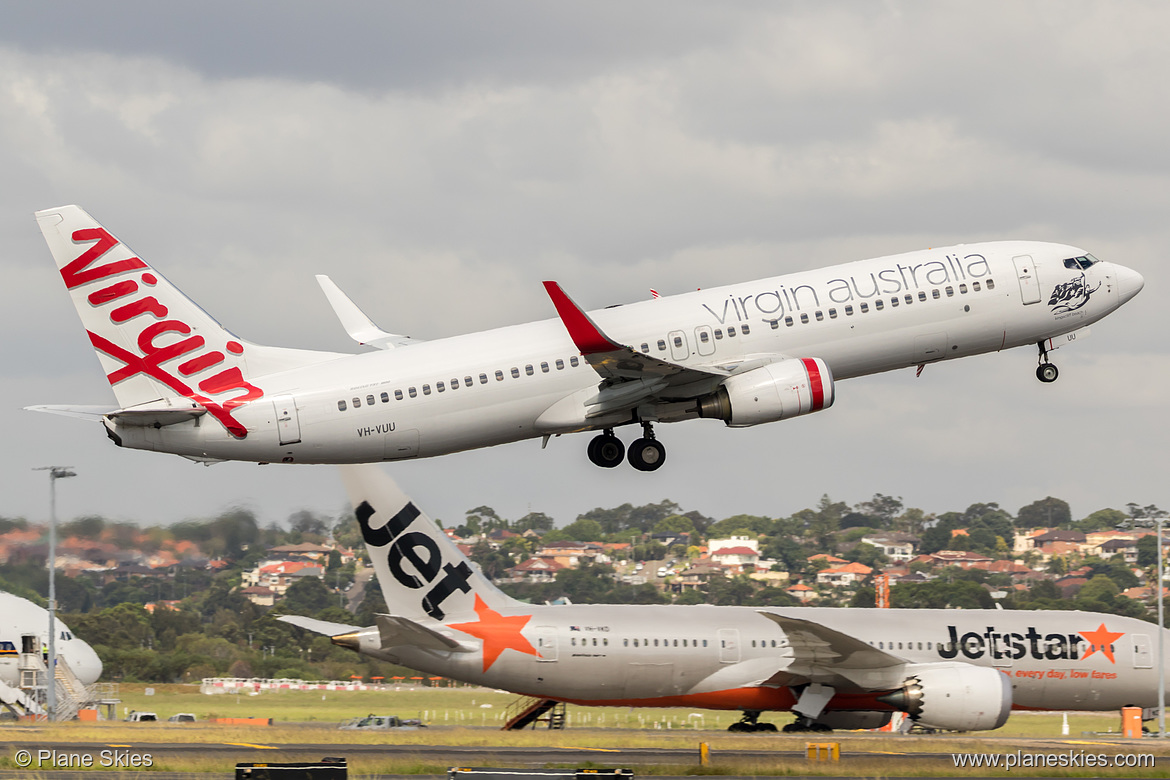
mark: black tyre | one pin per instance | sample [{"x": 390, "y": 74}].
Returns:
[
  {"x": 647, "y": 455},
  {"x": 1046, "y": 372},
  {"x": 606, "y": 451}
]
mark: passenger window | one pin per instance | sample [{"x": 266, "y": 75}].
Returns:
[
  {"x": 921, "y": 295},
  {"x": 661, "y": 345},
  {"x": 788, "y": 321},
  {"x": 515, "y": 373},
  {"x": 385, "y": 398},
  {"x": 879, "y": 304},
  {"x": 803, "y": 318},
  {"x": 626, "y": 642},
  {"x": 864, "y": 307},
  {"x": 894, "y": 301},
  {"x": 962, "y": 289},
  {"x": 774, "y": 323},
  {"x": 357, "y": 402},
  {"x": 718, "y": 333},
  {"x": 832, "y": 314},
  {"x": 455, "y": 383},
  {"x": 950, "y": 291},
  {"x": 744, "y": 329},
  {"x": 935, "y": 294},
  {"x": 426, "y": 389},
  {"x": 440, "y": 386},
  {"x": 704, "y": 643},
  {"x": 483, "y": 379},
  {"x": 990, "y": 284},
  {"x": 974, "y": 286},
  {"x": 499, "y": 376},
  {"x": 560, "y": 365},
  {"x": 656, "y": 643},
  {"x": 529, "y": 370},
  {"x": 635, "y": 643},
  {"x": 820, "y": 316},
  {"x": 678, "y": 341},
  {"x": 645, "y": 348},
  {"x": 574, "y": 362},
  {"x": 341, "y": 405},
  {"x": 731, "y": 333},
  {"x": 544, "y": 368},
  {"x": 370, "y": 400},
  {"x": 909, "y": 299},
  {"x": 704, "y": 336},
  {"x": 848, "y": 311},
  {"x": 413, "y": 393},
  {"x": 397, "y": 395}
]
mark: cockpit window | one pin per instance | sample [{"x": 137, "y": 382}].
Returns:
[{"x": 1080, "y": 263}]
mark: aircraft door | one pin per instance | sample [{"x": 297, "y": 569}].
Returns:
[
  {"x": 1141, "y": 652},
  {"x": 546, "y": 643},
  {"x": 728, "y": 645},
  {"x": 679, "y": 349},
  {"x": 1026, "y": 273},
  {"x": 288, "y": 423},
  {"x": 704, "y": 340}
]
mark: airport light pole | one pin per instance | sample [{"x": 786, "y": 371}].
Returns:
[
  {"x": 1161, "y": 639},
  {"x": 55, "y": 473}
]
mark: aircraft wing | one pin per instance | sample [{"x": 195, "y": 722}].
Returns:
[
  {"x": 318, "y": 626},
  {"x": 617, "y": 364},
  {"x": 821, "y": 653},
  {"x": 359, "y": 327}
]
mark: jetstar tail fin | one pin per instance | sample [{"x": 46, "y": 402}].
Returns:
[
  {"x": 153, "y": 341},
  {"x": 422, "y": 573}
]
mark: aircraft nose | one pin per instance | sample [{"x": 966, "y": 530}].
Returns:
[
  {"x": 87, "y": 665},
  {"x": 1129, "y": 283}
]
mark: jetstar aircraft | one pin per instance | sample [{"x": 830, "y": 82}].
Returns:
[
  {"x": 843, "y": 668},
  {"x": 746, "y": 354}
]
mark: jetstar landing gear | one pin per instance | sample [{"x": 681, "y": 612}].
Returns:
[
  {"x": 606, "y": 450},
  {"x": 750, "y": 722},
  {"x": 1045, "y": 372},
  {"x": 647, "y": 453},
  {"x": 803, "y": 724}
]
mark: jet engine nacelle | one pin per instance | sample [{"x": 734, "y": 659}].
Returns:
[
  {"x": 777, "y": 391},
  {"x": 954, "y": 696}
]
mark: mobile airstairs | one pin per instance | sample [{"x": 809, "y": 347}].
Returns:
[{"x": 29, "y": 698}]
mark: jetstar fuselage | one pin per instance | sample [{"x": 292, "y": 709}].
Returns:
[{"x": 735, "y": 658}]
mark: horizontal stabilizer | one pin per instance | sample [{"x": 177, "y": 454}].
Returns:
[
  {"x": 80, "y": 412},
  {"x": 318, "y": 626},
  {"x": 158, "y": 414},
  {"x": 399, "y": 631},
  {"x": 359, "y": 327}
]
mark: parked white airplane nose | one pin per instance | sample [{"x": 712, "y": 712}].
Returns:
[{"x": 1129, "y": 283}]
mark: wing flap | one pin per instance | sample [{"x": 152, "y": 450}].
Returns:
[{"x": 820, "y": 653}]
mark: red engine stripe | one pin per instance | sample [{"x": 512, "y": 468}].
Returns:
[{"x": 816, "y": 383}]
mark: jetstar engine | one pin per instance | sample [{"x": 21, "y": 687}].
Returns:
[
  {"x": 958, "y": 697},
  {"x": 777, "y": 391}
]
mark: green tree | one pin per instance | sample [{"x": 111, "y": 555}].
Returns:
[
  {"x": 307, "y": 596},
  {"x": 1047, "y": 513}
]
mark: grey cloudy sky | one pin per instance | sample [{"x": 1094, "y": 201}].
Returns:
[{"x": 440, "y": 160}]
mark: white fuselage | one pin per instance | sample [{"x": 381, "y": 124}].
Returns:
[
  {"x": 502, "y": 385},
  {"x": 24, "y": 631}
]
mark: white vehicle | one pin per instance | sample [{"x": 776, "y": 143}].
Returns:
[
  {"x": 746, "y": 354},
  {"x": 142, "y": 717},
  {"x": 962, "y": 669}
]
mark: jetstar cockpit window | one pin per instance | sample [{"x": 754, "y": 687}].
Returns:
[{"x": 1080, "y": 263}]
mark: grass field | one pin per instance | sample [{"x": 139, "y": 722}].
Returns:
[{"x": 458, "y": 716}]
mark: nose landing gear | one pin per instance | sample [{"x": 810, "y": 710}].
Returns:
[{"x": 1046, "y": 372}]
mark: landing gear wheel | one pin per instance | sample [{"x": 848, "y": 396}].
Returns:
[
  {"x": 646, "y": 454},
  {"x": 1046, "y": 372},
  {"x": 606, "y": 450}
]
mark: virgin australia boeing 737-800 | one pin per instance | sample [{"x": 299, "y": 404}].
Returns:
[
  {"x": 847, "y": 668},
  {"x": 746, "y": 354}
]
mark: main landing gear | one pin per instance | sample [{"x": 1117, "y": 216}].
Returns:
[
  {"x": 645, "y": 454},
  {"x": 803, "y": 725},
  {"x": 1045, "y": 372},
  {"x": 750, "y": 722}
]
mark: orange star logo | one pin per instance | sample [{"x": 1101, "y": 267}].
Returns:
[
  {"x": 498, "y": 633},
  {"x": 1102, "y": 639}
]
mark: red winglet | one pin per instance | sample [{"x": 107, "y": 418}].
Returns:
[{"x": 585, "y": 334}]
